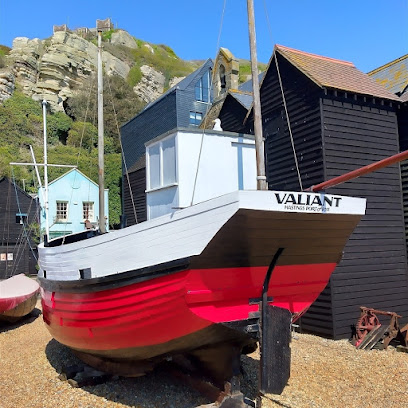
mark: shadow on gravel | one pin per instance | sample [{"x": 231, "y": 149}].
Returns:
[
  {"x": 156, "y": 389},
  {"x": 250, "y": 378},
  {"x": 5, "y": 326}
]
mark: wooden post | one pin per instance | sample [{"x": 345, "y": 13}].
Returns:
[
  {"x": 259, "y": 144},
  {"x": 47, "y": 224},
  {"x": 101, "y": 163}
]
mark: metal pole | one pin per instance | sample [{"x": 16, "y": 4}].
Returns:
[
  {"x": 259, "y": 144},
  {"x": 47, "y": 226},
  {"x": 36, "y": 172},
  {"x": 101, "y": 164},
  {"x": 360, "y": 172}
]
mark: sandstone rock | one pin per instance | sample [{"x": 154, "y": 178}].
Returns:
[
  {"x": 6, "y": 85},
  {"x": 67, "y": 63},
  {"x": 122, "y": 37},
  {"x": 24, "y": 58},
  {"x": 175, "y": 81},
  {"x": 151, "y": 86},
  {"x": 56, "y": 68},
  {"x": 114, "y": 66}
]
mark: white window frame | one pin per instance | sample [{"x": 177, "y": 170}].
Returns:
[
  {"x": 91, "y": 211},
  {"x": 161, "y": 176},
  {"x": 66, "y": 211},
  {"x": 204, "y": 93},
  {"x": 194, "y": 113}
]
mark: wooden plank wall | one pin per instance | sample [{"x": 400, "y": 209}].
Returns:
[
  {"x": 150, "y": 123},
  {"x": 304, "y": 114},
  {"x": 302, "y": 98},
  {"x": 402, "y": 115},
  {"x": 232, "y": 115},
  {"x": 137, "y": 181},
  {"x": 12, "y": 236},
  {"x": 373, "y": 271}
]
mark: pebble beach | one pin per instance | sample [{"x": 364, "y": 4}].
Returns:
[{"x": 324, "y": 373}]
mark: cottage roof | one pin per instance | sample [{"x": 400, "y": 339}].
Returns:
[
  {"x": 244, "y": 93},
  {"x": 404, "y": 97},
  {"x": 244, "y": 98},
  {"x": 70, "y": 171},
  {"x": 8, "y": 180},
  {"x": 333, "y": 73},
  {"x": 393, "y": 76}
]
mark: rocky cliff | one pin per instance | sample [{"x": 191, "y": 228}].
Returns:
[{"x": 55, "y": 68}]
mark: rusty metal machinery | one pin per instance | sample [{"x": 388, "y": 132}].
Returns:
[{"x": 370, "y": 332}]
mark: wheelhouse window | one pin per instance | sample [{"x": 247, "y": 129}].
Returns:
[
  {"x": 162, "y": 163},
  {"x": 88, "y": 210},
  {"x": 195, "y": 118},
  {"x": 202, "y": 88},
  {"x": 62, "y": 211}
]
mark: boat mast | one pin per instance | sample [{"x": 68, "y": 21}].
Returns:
[
  {"x": 47, "y": 225},
  {"x": 101, "y": 164},
  {"x": 259, "y": 144}
]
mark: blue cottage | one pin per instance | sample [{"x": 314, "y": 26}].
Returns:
[{"x": 73, "y": 199}]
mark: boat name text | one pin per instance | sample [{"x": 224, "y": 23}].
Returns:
[{"x": 308, "y": 202}]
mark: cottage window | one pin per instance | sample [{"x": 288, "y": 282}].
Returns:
[
  {"x": 195, "y": 118},
  {"x": 88, "y": 210},
  {"x": 202, "y": 88},
  {"x": 162, "y": 163},
  {"x": 62, "y": 210},
  {"x": 21, "y": 218}
]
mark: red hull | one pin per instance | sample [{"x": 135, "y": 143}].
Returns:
[{"x": 118, "y": 322}]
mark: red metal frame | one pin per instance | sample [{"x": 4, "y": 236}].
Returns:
[{"x": 360, "y": 172}]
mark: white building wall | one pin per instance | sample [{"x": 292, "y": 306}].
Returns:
[{"x": 208, "y": 165}]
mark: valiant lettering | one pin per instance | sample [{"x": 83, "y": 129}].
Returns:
[{"x": 307, "y": 199}]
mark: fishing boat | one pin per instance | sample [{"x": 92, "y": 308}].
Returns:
[
  {"x": 193, "y": 279},
  {"x": 18, "y": 297}
]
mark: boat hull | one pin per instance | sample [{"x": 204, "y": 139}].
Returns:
[
  {"x": 206, "y": 289},
  {"x": 142, "y": 320},
  {"x": 19, "y": 311},
  {"x": 18, "y": 297}
]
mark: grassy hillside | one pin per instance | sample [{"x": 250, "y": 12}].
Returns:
[{"x": 71, "y": 140}]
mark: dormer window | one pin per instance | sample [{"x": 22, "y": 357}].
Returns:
[{"x": 202, "y": 88}]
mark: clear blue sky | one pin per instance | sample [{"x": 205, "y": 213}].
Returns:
[{"x": 368, "y": 33}]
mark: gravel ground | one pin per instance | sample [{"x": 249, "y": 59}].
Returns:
[{"x": 324, "y": 373}]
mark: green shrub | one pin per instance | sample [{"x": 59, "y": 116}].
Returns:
[
  {"x": 168, "y": 50},
  {"x": 58, "y": 126},
  {"x": 83, "y": 134},
  {"x": 118, "y": 94},
  {"x": 20, "y": 120},
  {"x": 245, "y": 70},
  {"x": 164, "y": 61},
  {"x": 107, "y": 35},
  {"x": 4, "y": 50},
  {"x": 23, "y": 104},
  {"x": 134, "y": 76}
]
